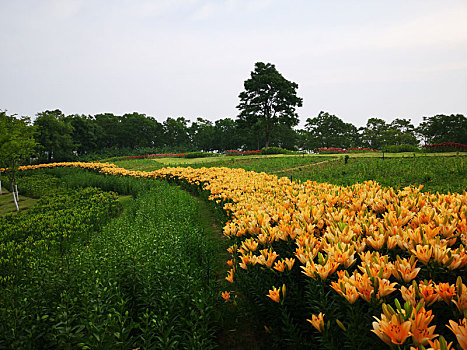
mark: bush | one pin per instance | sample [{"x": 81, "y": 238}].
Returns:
[
  {"x": 275, "y": 150},
  {"x": 401, "y": 148}
]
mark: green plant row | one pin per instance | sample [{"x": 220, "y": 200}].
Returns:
[
  {"x": 46, "y": 230},
  {"x": 143, "y": 281}
]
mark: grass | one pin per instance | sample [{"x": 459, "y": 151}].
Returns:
[
  {"x": 7, "y": 205},
  {"x": 269, "y": 163},
  {"x": 436, "y": 174}
]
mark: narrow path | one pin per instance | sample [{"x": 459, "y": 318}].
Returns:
[
  {"x": 238, "y": 331},
  {"x": 302, "y": 166}
]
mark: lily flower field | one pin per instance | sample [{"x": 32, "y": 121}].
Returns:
[{"x": 327, "y": 266}]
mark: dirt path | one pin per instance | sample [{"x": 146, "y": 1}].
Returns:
[
  {"x": 238, "y": 331},
  {"x": 302, "y": 166}
]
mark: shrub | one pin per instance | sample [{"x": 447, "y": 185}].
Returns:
[
  {"x": 275, "y": 150},
  {"x": 401, "y": 148}
]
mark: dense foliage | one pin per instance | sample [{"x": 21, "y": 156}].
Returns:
[
  {"x": 46, "y": 230},
  {"x": 72, "y": 137},
  {"x": 268, "y": 101}
]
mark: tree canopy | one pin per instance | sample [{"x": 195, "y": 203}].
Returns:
[
  {"x": 327, "y": 130},
  {"x": 444, "y": 128},
  {"x": 16, "y": 145},
  {"x": 269, "y": 100}
]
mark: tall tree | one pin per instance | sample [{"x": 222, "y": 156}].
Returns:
[
  {"x": 444, "y": 128},
  {"x": 401, "y": 132},
  {"x": 176, "y": 134},
  {"x": 226, "y": 135},
  {"x": 202, "y": 132},
  {"x": 327, "y": 130},
  {"x": 16, "y": 145},
  {"x": 108, "y": 131},
  {"x": 138, "y": 131},
  {"x": 54, "y": 135},
  {"x": 373, "y": 134},
  {"x": 268, "y": 100},
  {"x": 84, "y": 134}
]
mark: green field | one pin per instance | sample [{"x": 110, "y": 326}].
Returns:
[{"x": 436, "y": 172}]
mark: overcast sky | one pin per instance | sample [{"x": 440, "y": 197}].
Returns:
[{"x": 355, "y": 59}]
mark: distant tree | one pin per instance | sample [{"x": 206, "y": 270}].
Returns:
[
  {"x": 443, "y": 128},
  {"x": 401, "y": 132},
  {"x": 268, "y": 100},
  {"x": 16, "y": 145},
  {"x": 202, "y": 133},
  {"x": 284, "y": 136},
  {"x": 227, "y": 135},
  {"x": 302, "y": 138},
  {"x": 85, "y": 133},
  {"x": 176, "y": 134},
  {"x": 374, "y": 133},
  {"x": 54, "y": 135},
  {"x": 327, "y": 130},
  {"x": 138, "y": 130},
  {"x": 108, "y": 131}
]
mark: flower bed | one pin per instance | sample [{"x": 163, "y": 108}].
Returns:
[
  {"x": 234, "y": 152},
  {"x": 363, "y": 265},
  {"x": 157, "y": 155},
  {"x": 445, "y": 147}
]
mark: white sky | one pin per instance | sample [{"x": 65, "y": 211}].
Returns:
[{"x": 354, "y": 59}]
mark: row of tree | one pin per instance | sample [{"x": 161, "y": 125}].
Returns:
[
  {"x": 60, "y": 137},
  {"x": 267, "y": 117}
]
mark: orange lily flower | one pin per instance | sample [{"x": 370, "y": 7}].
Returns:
[
  {"x": 274, "y": 294},
  {"x": 279, "y": 266},
  {"x": 364, "y": 286},
  {"x": 446, "y": 291},
  {"x": 226, "y": 296},
  {"x": 393, "y": 331},
  {"x": 423, "y": 253},
  {"x": 460, "y": 331},
  {"x": 230, "y": 276},
  {"x": 317, "y": 322},
  {"x": 405, "y": 269},
  {"x": 439, "y": 344},
  {"x": 409, "y": 294},
  {"x": 289, "y": 262},
  {"x": 347, "y": 290},
  {"x": 421, "y": 333},
  {"x": 385, "y": 287},
  {"x": 428, "y": 292}
]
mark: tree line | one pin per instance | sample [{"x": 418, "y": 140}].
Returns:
[
  {"x": 64, "y": 137},
  {"x": 267, "y": 117}
]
